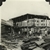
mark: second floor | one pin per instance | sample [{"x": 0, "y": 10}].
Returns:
[{"x": 34, "y": 22}]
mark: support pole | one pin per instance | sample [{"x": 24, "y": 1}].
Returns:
[{"x": 27, "y": 26}]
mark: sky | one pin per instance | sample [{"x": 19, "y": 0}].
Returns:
[{"x": 15, "y": 8}]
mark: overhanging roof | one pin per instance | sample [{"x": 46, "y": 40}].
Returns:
[
  {"x": 6, "y": 23},
  {"x": 28, "y": 16}
]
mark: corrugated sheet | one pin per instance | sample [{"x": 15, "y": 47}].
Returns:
[{"x": 6, "y": 23}]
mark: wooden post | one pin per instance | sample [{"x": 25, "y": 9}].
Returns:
[
  {"x": 46, "y": 22},
  {"x": 27, "y": 26}
]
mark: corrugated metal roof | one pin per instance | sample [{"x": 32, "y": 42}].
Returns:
[{"x": 6, "y": 23}]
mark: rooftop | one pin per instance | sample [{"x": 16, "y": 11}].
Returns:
[
  {"x": 29, "y": 16},
  {"x": 6, "y": 23}
]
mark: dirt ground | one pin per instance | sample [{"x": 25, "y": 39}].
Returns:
[{"x": 18, "y": 46}]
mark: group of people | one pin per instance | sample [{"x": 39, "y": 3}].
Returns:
[{"x": 39, "y": 33}]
